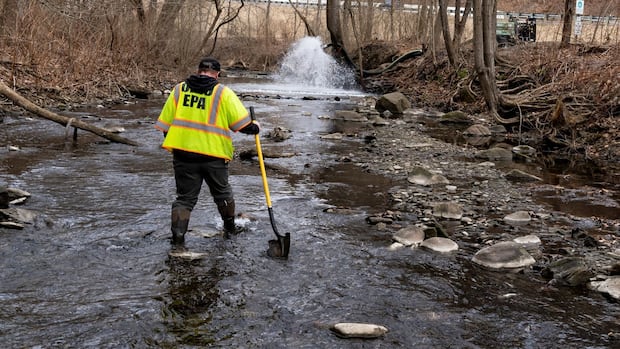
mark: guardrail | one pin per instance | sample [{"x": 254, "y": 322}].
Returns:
[{"x": 451, "y": 10}]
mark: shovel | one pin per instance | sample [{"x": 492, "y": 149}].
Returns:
[{"x": 280, "y": 247}]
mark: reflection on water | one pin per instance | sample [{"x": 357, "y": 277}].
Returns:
[{"x": 192, "y": 291}]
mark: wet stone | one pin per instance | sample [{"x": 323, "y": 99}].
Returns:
[
  {"x": 521, "y": 176},
  {"x": 16, "y": 194},
  {"x": 439, "y": 244},
  {"x": 455, "y": 117},
  {"x": 504, "y": 255},
  {"x": 358, "y": 330},
  {"x": 334, "y": 136},
  {"x": 518, "y": 218},
  {"x": 527, "y": 240},
  {"x": 611, "y": 286},
  {"x": 495, "y": 153},
  {"x": 350, "y": 115},
  {"x": 524, "y": 150},
  {"x": 19, "y": 215},
  {"x": 570, "y": 271},
  {"x": 422, "y": 176},
  {"x": 395, "y": 103},
  {"x": 477, "y": 130},
  {"x": 182, "y": 253},
  {"x": 409, "y": 236},
  {"x": 450, "y": 210},
  {"x": 279, "y": 134},
  {"x": 395, "y": 246}
]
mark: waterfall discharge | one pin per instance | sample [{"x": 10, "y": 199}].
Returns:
[{"x": 307, "y": 64}]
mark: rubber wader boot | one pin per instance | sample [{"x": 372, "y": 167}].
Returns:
[
  {"x": 180, "y": 221},
  {"x": 227, "y": 212}
]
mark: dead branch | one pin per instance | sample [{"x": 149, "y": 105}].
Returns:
[{"x": 63, "y": 120}]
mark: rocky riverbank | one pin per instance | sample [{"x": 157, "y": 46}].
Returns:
[{"x": 459, "y": 193}]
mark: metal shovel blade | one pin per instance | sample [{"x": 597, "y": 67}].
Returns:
[{"x": 279, "y": 248}]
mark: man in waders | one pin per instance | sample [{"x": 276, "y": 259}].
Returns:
[{"x": 198, "y": 120}]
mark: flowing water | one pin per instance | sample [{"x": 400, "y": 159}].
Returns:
[{"x": 94, "y": 270}]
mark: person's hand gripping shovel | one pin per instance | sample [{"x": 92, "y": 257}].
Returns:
[{"x": 280, "y": 247}]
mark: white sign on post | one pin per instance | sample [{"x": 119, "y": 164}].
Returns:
[
  {"x": 579, "y": 7},
  {"x": 578, "y": 26}
]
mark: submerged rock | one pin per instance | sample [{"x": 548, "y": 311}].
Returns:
[
  {"x": 477, "y": 130},
  {"x": 504, "y": 255},
  {"x": 455, "y": 117},
  {"x": 495, "y": 153},
  {"x": 570, "y": 271},
  {"x": 358, "y": 330},
  {"x": 349, "y": 115},
  {"x": 520, "y": 176}
]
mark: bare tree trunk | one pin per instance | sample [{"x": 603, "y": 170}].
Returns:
[
  {"x": 63, "y": 120},
  {"x": 368, "y": 24},
  {"x": 484, "y": 50},
  {"x": 459, "y": 24},
  {"x": 267, "y": 22},
  {"x": 567, "y": 27},
  {"x": 334, "y": 27},
  {"x": 165, "y": 21},
  {"x": 443, "y": 17}
]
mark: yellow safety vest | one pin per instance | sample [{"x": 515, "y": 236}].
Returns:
[{"x": 201, "y": 123}]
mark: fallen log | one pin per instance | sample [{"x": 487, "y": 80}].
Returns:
[{"x": 63, "y": 120}]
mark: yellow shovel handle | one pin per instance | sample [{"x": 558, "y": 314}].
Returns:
[{"x": 262, "y": 170}]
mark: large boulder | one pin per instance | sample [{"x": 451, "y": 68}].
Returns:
[{"x": 395, "y": 103}]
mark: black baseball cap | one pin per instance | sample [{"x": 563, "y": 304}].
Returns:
[{"x": 209, "y": 64}]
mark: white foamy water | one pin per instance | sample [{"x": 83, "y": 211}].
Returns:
[
  {"x": 306, "y": 70},
  {"x": 307, "y": 63}
]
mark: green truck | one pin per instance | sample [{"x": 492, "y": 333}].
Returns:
[{"x": 508, "y": 32}]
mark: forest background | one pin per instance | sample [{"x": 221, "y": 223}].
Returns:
[{"x": 563, "y": 88}]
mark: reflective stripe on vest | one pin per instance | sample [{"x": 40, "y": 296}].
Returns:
[{"x": 176, "y": 93}]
